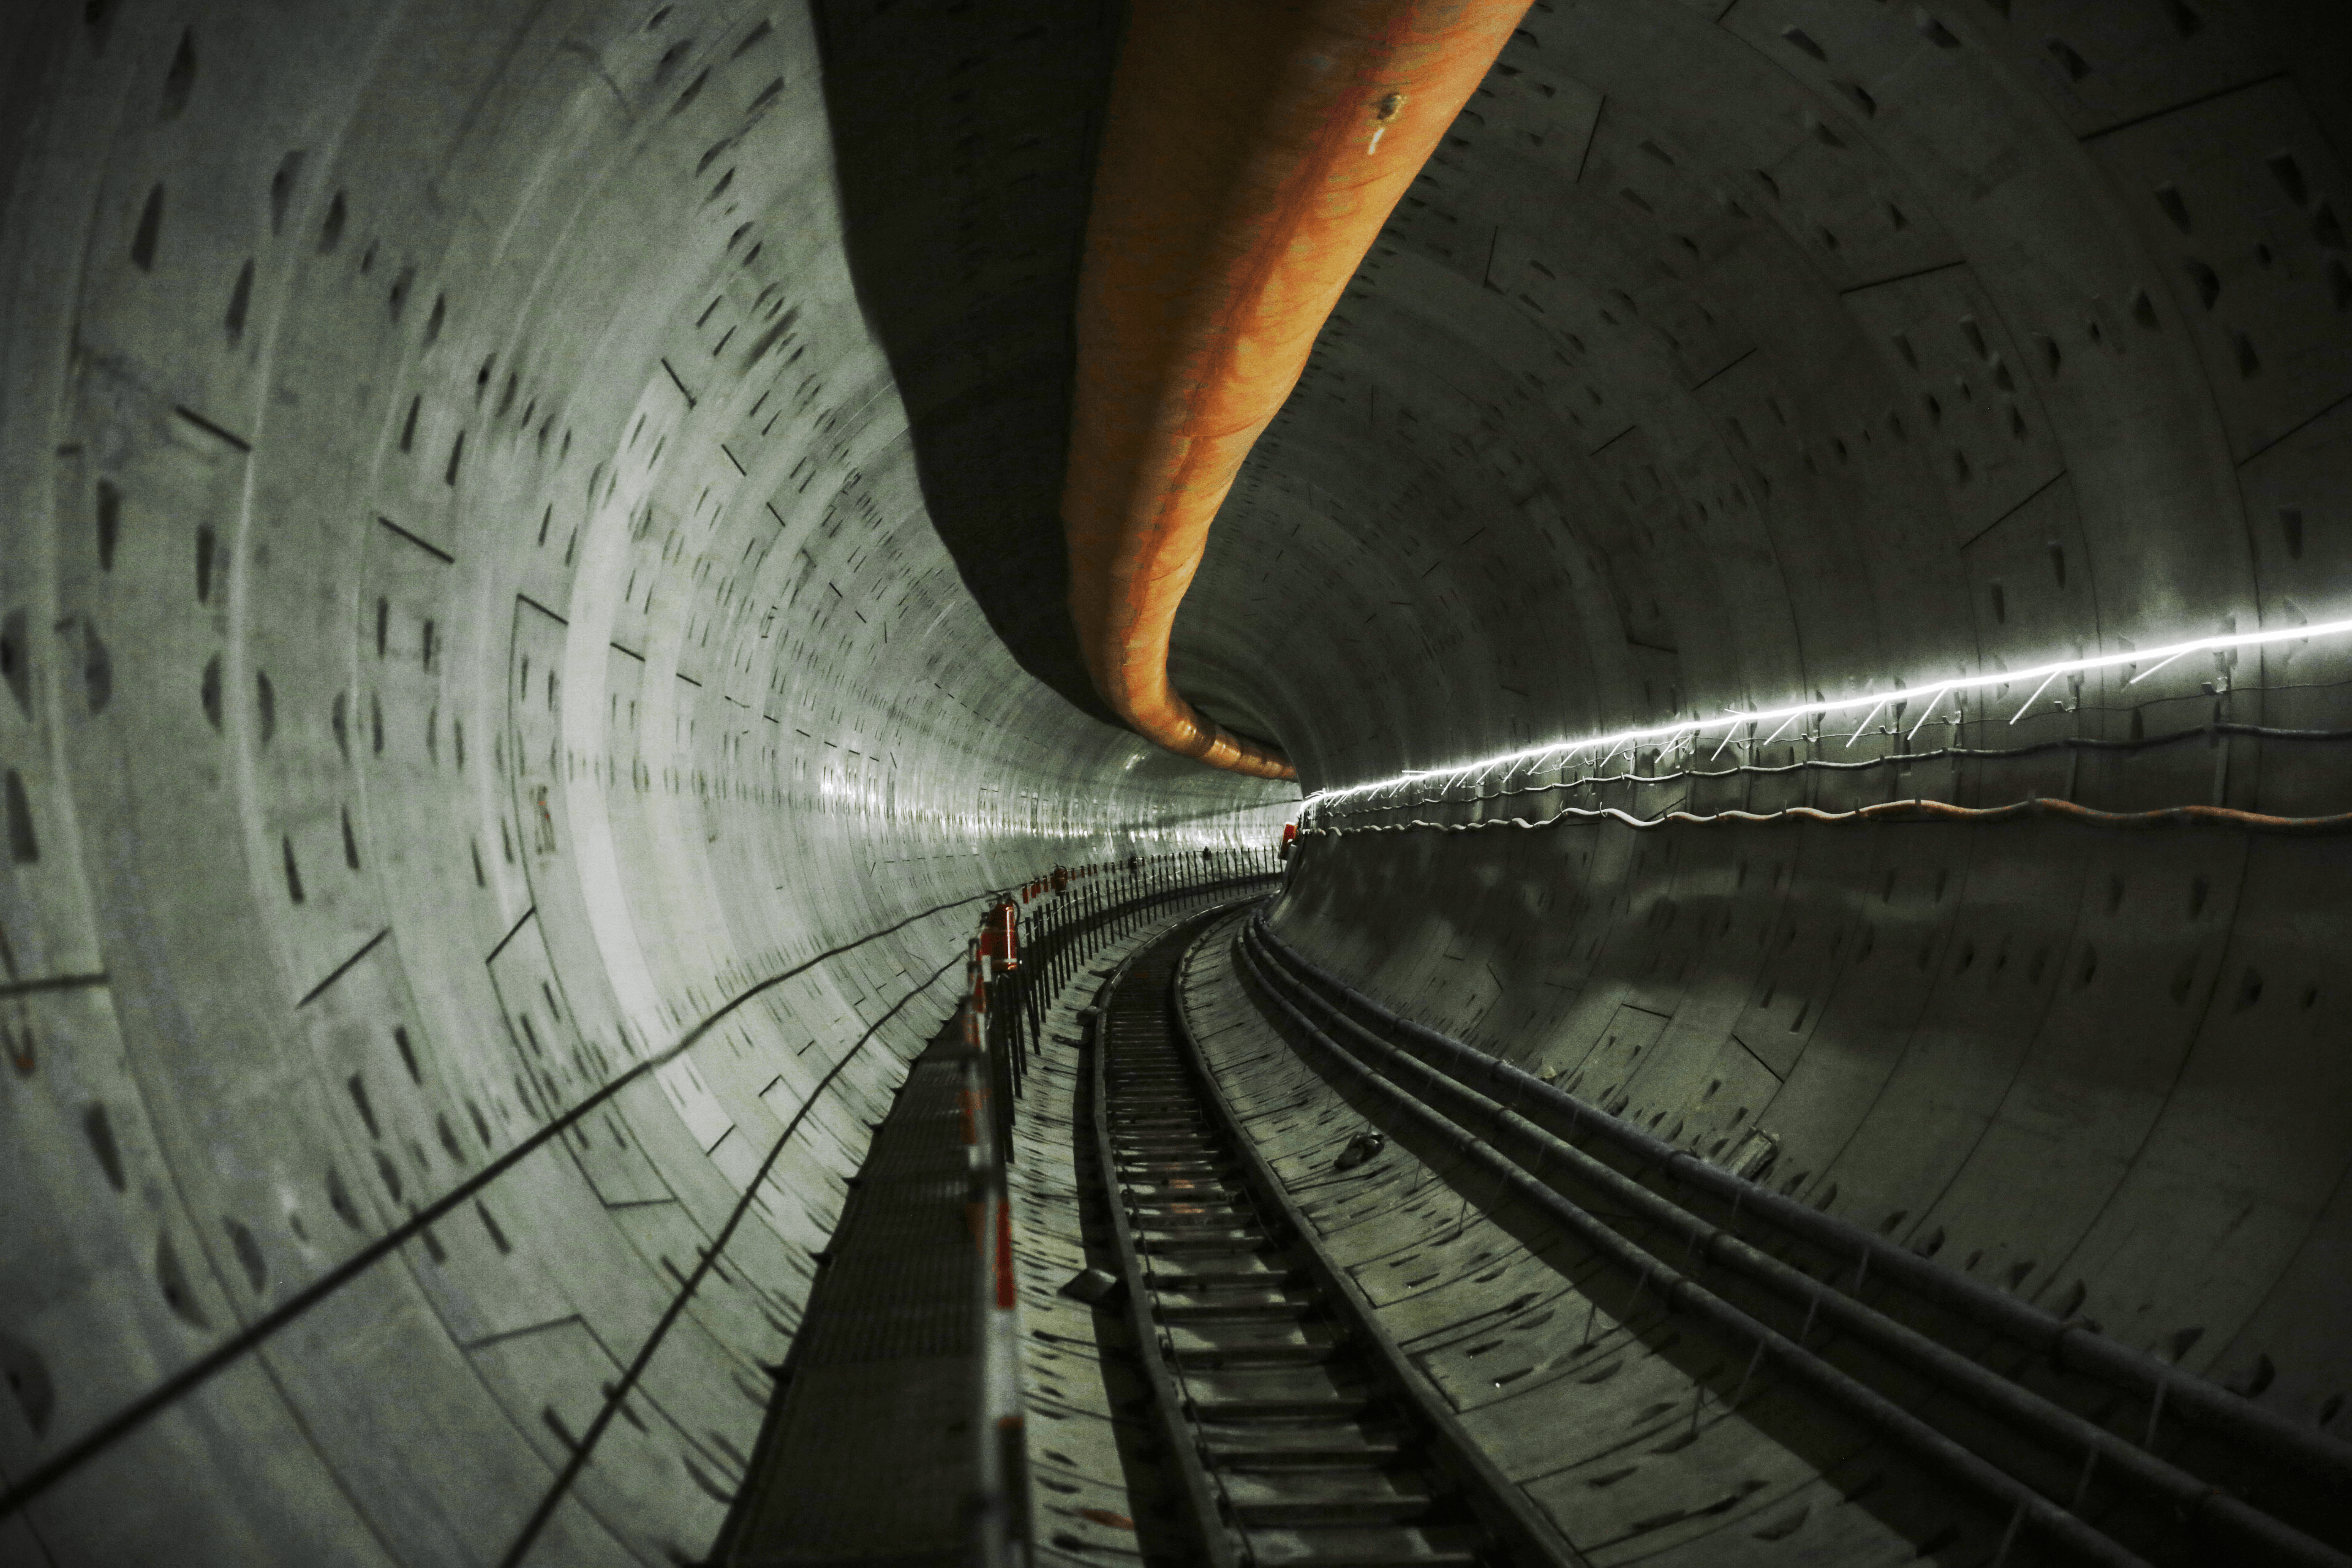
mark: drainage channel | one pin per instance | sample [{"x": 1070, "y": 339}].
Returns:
[{"x": 1291, "y": 1430}]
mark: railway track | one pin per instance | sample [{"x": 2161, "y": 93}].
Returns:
[
  {"x": 1291, "y": 1429},
  {"x": 2065, "y": 1445}
]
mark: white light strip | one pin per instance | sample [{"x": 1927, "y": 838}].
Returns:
[{"x": 1933, "y": 695}]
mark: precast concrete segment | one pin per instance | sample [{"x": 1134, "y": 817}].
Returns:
[
  {"x": 1751, "y": 395},
  {"x": 1761, "y": 998},
  {"x": 1250, "y": 155},
  {"x": 468, "y": 616},
  {"x": 186, "y": 1379},
  {"x": 1665, "y": 1246},
  {"x": 1721, "y": 356}
]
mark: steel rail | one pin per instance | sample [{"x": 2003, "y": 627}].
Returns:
[
  {"x": 2063, "y": 1430},
  {"x": 1504, "y": 1506},
  {"x": 1931, "y": 1448},
  {"x": 2070, "y": 1342},
  {"x": 1176, "y": 1437}
]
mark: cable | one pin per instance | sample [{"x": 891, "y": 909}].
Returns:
[
  {"x": 2075, "y": 742},
  {"x": 616, "y": 1395},
  {"x": 1893, "y": 810},
  {"x": 1934, "y": 692}
]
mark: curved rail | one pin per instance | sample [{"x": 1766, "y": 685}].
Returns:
[
  {"x": 2070, "y": 1341},
  {"x": 1251, "y": 155},
  {"x": 1296, "y": 1429},
  {"x": 1458, "y": 1074}
]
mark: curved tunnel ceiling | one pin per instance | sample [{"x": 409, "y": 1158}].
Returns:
[
  {"x": 530, "y": 542},
  {"x": 1771, "y": 344}
]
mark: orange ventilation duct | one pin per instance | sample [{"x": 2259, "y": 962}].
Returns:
[{"x": 1252, "y": 151}]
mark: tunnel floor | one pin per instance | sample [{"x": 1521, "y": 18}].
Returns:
[
  {"x": 866, "y": 1453},
  {"x": 1273, "y": 1308}
]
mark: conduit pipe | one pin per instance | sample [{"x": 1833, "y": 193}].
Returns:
[
  {"x": 2115, "y": 1458},
  {"x": 1252, "y": 151},
  {"x": 2070, "y": 1342}
]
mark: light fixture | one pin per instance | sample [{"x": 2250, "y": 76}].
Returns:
[{"x": 1932, "y": 695}]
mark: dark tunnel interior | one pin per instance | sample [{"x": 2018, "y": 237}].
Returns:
[
  {"x": 531, "y": 563},
  {"x": 963, "y": 214}
]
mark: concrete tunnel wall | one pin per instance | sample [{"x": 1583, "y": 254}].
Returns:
[
  {"x": 490, "y": 380},
  {"x": 1726, "y": 356},
  {"x": 1810, "y": 348},
  {"x": 470, "y": 615}
]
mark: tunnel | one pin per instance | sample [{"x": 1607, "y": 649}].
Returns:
[{"x": 1806, "y": 581}]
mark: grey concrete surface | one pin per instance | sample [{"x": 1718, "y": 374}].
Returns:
[
  {"x": 1733, "y": 354},
  {"x": 475, "y": 601},
  {"x": 470, "y": 615}
]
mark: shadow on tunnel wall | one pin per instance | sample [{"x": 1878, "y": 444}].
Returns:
[{"x": 964, "y": 135}]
